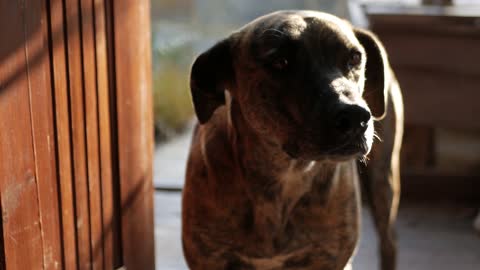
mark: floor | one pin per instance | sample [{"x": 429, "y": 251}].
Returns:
[{"x": 430, "y": 235}]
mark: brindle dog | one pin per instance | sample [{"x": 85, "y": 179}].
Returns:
[{"x": 272, "y": 177}]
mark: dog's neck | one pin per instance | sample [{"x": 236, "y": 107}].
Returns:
[{"x": 263, "y": 158}]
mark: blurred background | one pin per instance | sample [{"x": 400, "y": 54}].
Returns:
[{"x": 434, "y": 48}]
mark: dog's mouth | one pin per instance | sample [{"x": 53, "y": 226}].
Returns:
[
  {"x": 357, "y": 146},
  {"x": 353, "y": 149}
]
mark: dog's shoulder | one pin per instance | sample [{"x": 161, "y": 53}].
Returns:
[{"x": 211, "y": 144}]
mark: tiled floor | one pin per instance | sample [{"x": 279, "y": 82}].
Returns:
[
  {"x": 430, "y": 236},
  {"x": 169, "y": 162},
  {"x": 167, "y": 232}
]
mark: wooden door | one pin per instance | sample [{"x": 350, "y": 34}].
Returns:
[{"x": 75, "y": 135}]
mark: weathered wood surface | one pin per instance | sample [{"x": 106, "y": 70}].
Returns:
[
  {"x": 135, "y": 134},
  {"x": 67, "y": 82}
]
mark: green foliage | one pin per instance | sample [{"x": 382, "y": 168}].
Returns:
[{"x": 172, "y": 106}]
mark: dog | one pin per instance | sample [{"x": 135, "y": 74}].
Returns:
[{"x": 287, "y": 108}]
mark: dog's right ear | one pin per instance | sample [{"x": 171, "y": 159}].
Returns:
[
  {"x": 377, "y": 73},
  {"x": 211, "y": 74}
]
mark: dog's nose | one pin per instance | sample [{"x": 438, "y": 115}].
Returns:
[{"x": 352, "y": 120}]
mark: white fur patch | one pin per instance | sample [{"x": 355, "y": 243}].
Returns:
[
  {"x": 297, "y": 179},
  {"x": 297, "y": 25},
  {"x": 228, "y": 104}
]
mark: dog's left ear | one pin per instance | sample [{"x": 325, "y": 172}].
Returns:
[
  {"x": 211, "y": 73},
  {"x": 377, "y": 73}
]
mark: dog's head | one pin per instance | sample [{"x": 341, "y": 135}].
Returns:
[{"x": 307, "y": 80}]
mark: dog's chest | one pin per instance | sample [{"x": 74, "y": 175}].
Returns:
[{"x": 313, "y": 219}]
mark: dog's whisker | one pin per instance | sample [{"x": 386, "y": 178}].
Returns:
[{"x": 364, "y": 160}]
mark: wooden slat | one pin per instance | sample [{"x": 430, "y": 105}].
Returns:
[
  {"x": 62, "y": 120},
  {"x": 19, "y": 200},
  {"x": 108, "y": 218},
  {"x": 2, "y": 247},
  {"x": 78, "y": 134},
  {"x": 135, "y": 130},
  {"x": 434, "y": 52},
  {"x": 91, "y": 112},
  {"x": 457, "y": 20},
  {"x": 440, "y": 99},
  {"x": 430, "y": 42},
  {"x": 428, "y": 55},
  {"x": 43, "y": 130},
  {"x": 117, "y": 208}
]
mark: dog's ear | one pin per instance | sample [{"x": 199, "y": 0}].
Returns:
[
  {"x": 377, "y": 73},
  {"x": 211, "y": 74}
]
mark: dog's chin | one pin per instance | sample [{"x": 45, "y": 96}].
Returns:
[
  {"x": 354, "y": 150},
  {"x": 347, "y": 153}
]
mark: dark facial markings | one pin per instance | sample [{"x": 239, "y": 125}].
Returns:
[
  {"x": 298, "y": 261},
  {"x": 283, "y": 55},
  {"x": 275, "y": 52},
  {"x": 248, "y": 218}
]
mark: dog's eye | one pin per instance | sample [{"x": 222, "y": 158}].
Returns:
[
  {"x": 355, "y": 59},
  {"x": 280, "y": 63}
]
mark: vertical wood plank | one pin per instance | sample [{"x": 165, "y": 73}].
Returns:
[
  {"x": 19, "y": 200},
  {"x": 2, "y": 247},
  {"x": 91, "y": 118},
  {"x": 117, "y": 208},
  {"x": 38, "y": 58},
  {"x": 135, "y": 130},
  {"x": 63, "y": 139},
  {"x": 108, "y": 218},
  {"x": 78, "y": 134}
]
